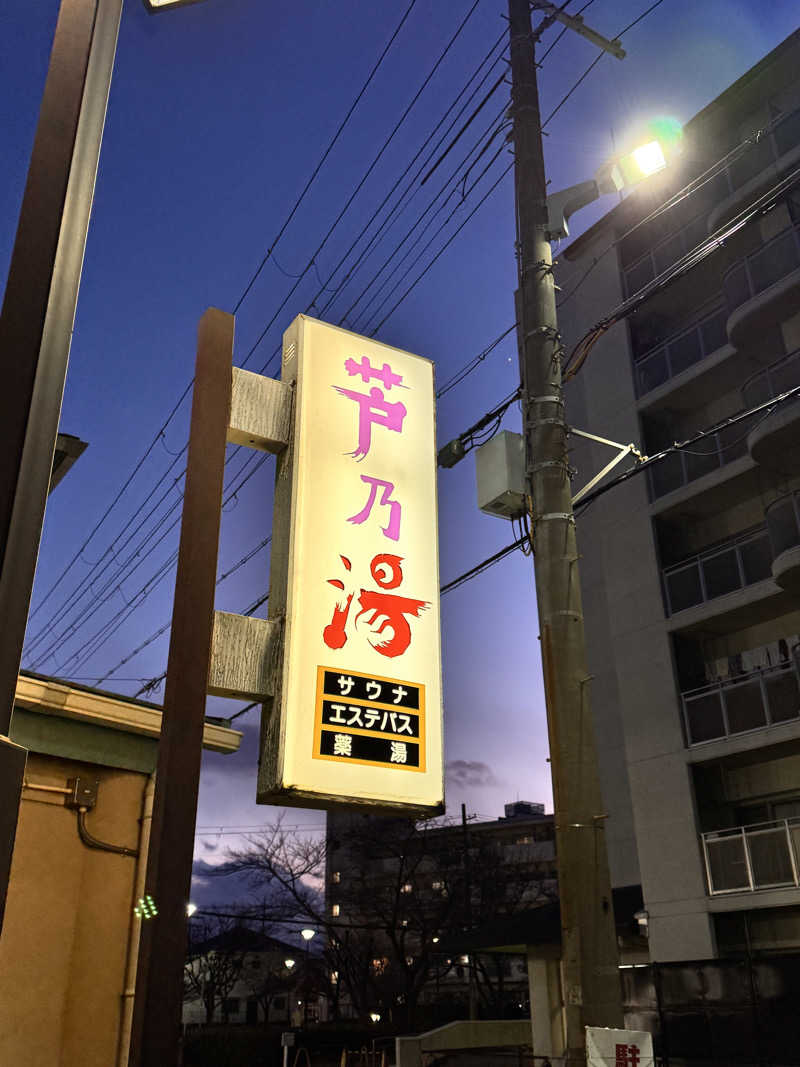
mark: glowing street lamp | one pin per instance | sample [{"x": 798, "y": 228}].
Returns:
[
  {"x": 288, "y": 964},
  {"x": 659, "y": 141},
  {"x": 161, "y": 5}
]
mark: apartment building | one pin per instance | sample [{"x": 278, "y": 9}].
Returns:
[
  {"x": 396, "y": 889},
  {"x": 691, "y": 569}
]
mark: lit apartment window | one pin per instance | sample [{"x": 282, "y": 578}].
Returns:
[
  {"x": 526, "y": 840},
  {"x": 336, "y": 877},
  {"x": 407, "y": 887},
  {"x": 438, "y": 886},
  {"x": 334, "y": 977},
  {"x": 404, "y": 922},
  {"x": 409, "y": 960},
  {"x": 335, "y": 910}
]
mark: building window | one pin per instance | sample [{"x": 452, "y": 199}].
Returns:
[
  {"x": 527, "y": 839},
  {"x": 407, "y": 887},
  {"x": 335, "y": 910},
  {"x": 404, "y": 922},
  {"x": 334, "y": 977},
  {"x": 336, "y": 877},
  {"x": 438, "y": 886}
]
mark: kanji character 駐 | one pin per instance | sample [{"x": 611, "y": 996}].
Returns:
[
  {"x": 399, "y": 753},
  {"x": 392, "y": 529},
  {"x": 342, "y": 745},
  {"x": 373, "y": 408},
  {"x": 627, "y": 1056}
]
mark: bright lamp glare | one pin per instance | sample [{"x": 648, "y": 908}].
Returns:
[
  {"x": 649, "y": 158},
  {"x": 307, "y": 934},
  {"x": 191, "y": 909}
]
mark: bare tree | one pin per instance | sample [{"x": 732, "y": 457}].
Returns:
[
  {"x": 214, "y": 962},
  {"x": 404, "y": 887}
]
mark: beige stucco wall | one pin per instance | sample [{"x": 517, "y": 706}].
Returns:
[{"x": 64, "y": 940}]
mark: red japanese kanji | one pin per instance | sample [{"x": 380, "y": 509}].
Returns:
[
  {"x": 627, "y": 1056},
  {"x": 376, "y": 605}
]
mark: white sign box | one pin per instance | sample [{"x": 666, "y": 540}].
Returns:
[
  {"x": 618, "y": 1048},
  {"x": 355, "y": 576}
]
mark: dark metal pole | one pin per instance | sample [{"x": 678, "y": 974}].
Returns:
[
  {"x": 589, "y": 951},
  {"x": 156, "y": 1030},
  {"x": 39, "y": 308}
]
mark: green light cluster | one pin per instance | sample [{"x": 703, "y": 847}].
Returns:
[
  {"x": 667, "y": 131},
  {"x": 145, "y": 908}
]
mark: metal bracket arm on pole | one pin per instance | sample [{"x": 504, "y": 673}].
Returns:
[
  {"x": 576, "y": 23},
  {"x": 624, "y": 450}
]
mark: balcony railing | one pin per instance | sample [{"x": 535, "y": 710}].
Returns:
[
  {"x": 782, "y": 138},
  {"x": 773, "y": 380},
  {"x": 709, "y": 454},
  {"x": 747, "y": 858},
  {"x": 758, "y": 271},
  {"x": 717, "y": 571},
  {"x": 680, "y": 351},
  {"x": 783, "y": 523},
  {"x": 741, "y": 703}
]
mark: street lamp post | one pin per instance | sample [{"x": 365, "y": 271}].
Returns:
[
  {"x": 36, "y": 324},
  {"x": 306, "y": 935}
]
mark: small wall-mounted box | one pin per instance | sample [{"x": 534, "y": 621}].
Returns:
[{"x": 500, "y": 470}]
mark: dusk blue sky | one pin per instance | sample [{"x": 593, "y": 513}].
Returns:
[{"x": 218, "y": 114}]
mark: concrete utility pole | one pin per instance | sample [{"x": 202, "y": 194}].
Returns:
[{"x": 589, "y": 950}]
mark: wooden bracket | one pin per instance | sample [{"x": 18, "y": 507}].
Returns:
[
  {"x": 244, "y": 653},
  {"x": 261, "y": 411}
]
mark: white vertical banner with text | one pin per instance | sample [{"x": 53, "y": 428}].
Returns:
[
  {"x": 618, "y": 1048},
  {"x": 361, "y": 684}
]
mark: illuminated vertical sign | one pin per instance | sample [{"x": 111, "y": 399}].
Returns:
[{"x": 358, "y": 713}]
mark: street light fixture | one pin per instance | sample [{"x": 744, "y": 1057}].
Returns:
[
  {"x": 306, "y": 933},
  {"x": 152, "y": 6},
  {"x": 288, "y": 964}
]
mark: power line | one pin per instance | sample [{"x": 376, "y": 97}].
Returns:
[
  {"x": 159, "y": 435},
  {"x": 423, "y": 223},
  {"x": 767, "y": 408},
  {"x": 324, "y": 156},
  {"x": 597, "y": 59},
  {"x": 364, "y": 178},
  {"x": 697, "y": 255},
  {"x": 472, "y": 365},
  {"x": 444, "y": 247},
  {"x": 479, "y": 568},
  {"x": 691, "y": 187}
]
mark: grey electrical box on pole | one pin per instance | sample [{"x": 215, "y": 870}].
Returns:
[{"x": 500, "y": 473}]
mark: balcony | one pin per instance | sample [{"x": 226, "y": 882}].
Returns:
[
  {"x": 773, "y": 440},
  {"x": 709, "y": 454},
  {"x": 747, "y": 858},
  {"x": 763, "y": 286},
  {"x": 681, "y": 351},
  {"x": 757, "y": 168},
  {"x": 723, "y": 569},
  {"x": 783, "y": 524},
  {"x": 736, "y": 705}
]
